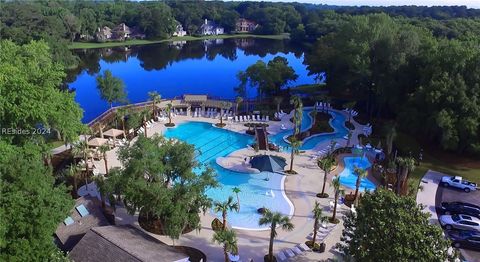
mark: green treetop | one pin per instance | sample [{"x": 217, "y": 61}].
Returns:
[
  {"x": 112, "y": 89},
  {"x": 30, "y": 94},
  {"x": 31, "y": 205},
  {"x": 162, "y": 184},
  {"x": 387, "y": 227}
]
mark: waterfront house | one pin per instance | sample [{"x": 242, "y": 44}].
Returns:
[
  {"x": 210, "y": 28},
  {"x": 245, "y": 26},
  {"x": 123, "y": 243},
  {"x": 179, "y": 30},
  {"x": 121, "y": 32},
  {"x": 103, "y": 34}
]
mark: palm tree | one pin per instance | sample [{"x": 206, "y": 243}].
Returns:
[
  {"x": 326, "y": 163},
  {"x": 224, "y": 207},
  {"x": 318, "y": 218},
  {"x": 169, "y": 112},
  {"x": 238, "y": 101},
  {"x": 274, "y": 219},
  {"x": 361, "y": 173},
  {"x": 295, "y": 144},
  {"x": 349, "y": 138},
  {"x": 278, "y": 101},
  {"x": 338, "y": 192},
  {"x": 350, "y": 105},
  {"x": 72, "y": 171},
  {"x": 103, "y": 149},
  {"x": 100, "y": 182},
  {"x": 237, "y": 190},
  {"x": 223, "y": 106},
  {"x": 120, "y": 114},
  {"x": 144, "y": 115},
  {"x": 227, "y": 238},
  {"x": 390, "y": 132},
  {"x": 81, "y": 149},
  {"x": 155, "y": 98},
  {"x": 405, "y": 166},
  {"x": 296, "y": 101},
  {"x": 112, "y": 89}
]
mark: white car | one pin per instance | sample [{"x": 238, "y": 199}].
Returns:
[
  {"x": 458, "y": 182},
  {"x": 462, "y": 222}
]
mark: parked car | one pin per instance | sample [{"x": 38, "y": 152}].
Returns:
[
  {"x": 458, "y": 182},
  {"x": 451, "y": 208},
  {"x": 461, "y": 222},
  {"x": 464, "y": 239}
]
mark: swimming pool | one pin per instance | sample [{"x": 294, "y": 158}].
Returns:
[
  {"x": 337, "y": 122},
  {"x": 212, "y": 142},
  {"x": 349, "y": 179}
]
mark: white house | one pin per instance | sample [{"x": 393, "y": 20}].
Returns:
[
  {"x": 179, "y": 30},
  {"x": 210, "y": 28}
]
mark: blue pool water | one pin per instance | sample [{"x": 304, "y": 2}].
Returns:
[
  {"x": 337, "y": 122},
  {"x": 349, "y": 179},
  {"x": 212, "y": 142}
]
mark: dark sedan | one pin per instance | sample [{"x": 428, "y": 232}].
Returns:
[
  {"x": 465, "y": 239},
  {"x": 450, "y": 208}
]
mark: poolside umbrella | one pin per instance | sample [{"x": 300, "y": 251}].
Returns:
[{"x": 268, "y": 163}]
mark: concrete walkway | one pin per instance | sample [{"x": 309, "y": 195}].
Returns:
[{"x": 427, "y": 194}]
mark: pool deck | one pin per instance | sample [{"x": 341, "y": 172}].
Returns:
[{"x": 301, "y": 189}]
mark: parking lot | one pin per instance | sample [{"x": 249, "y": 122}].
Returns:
[{"x": 451, "y": 195}]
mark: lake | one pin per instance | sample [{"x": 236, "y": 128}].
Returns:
[{"x": 173, "y": 69}]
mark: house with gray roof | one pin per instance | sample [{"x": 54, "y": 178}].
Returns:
[
  {"x": 210, "y": 28},
  {"x": 122, "y": 244},
  {"x": 86, "y": 214}
]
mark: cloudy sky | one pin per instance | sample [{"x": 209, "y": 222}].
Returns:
[{"x": 469, "y": 3}]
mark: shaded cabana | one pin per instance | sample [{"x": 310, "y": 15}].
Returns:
[
  {"x": 268, "y": 163},
  {"x": 96, "y": 142},
  {"x": 114, "y": 133}
]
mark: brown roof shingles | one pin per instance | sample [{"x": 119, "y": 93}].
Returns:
[
  {"x": 123, "y": 243},
  {"x": 70, "y": 235}
]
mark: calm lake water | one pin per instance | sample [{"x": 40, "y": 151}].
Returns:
[{"x": 173, "y": 69}]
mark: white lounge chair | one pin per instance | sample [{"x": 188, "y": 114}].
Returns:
[
  {"x": 303, "y": 247},
  {"x": 289, "y": 252},
  {"x": 283, "y": 127},
  {"x": 297, "y": 250},
  {"x": 267, "y": 118},
  {"x": 281, "y": 256}
]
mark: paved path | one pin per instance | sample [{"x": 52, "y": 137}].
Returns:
[{"x": 427, "y": 194}]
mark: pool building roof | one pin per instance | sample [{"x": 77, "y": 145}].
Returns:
[
  {"x": 86, "y": 214},
  {"x": 122, "y": 244}
]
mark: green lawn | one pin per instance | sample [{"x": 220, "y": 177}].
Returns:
[
  {"x": 85, "y": 45},
  {"x": 434, "y": 159}
]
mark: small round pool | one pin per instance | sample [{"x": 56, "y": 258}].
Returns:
[{"x": 348, "y": 177}]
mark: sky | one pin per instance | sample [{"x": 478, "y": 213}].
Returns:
[{"x": 468, "y": 3}]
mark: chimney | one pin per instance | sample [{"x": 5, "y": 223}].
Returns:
[{"x": 206, "y": 21}]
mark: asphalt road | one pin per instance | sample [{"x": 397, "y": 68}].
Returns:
[{"x": 450, "y": 195}]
